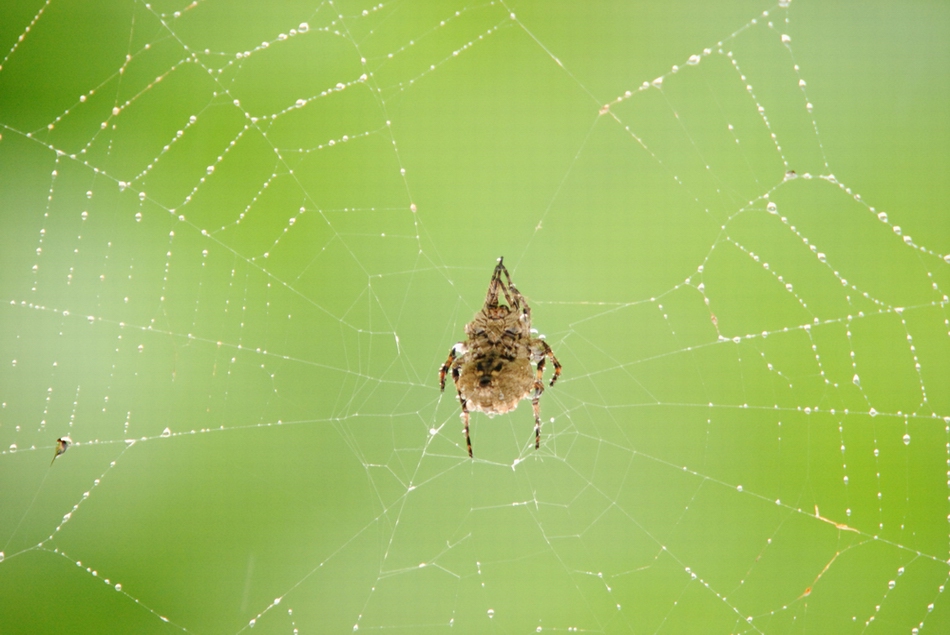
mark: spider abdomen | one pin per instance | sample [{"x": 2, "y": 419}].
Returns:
[{"x": 495, "y": 386}]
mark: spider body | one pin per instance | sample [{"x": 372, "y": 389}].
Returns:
[{"x": 492, "y": 368}]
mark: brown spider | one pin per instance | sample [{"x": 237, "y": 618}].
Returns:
[{"x": 492, "y": 368}]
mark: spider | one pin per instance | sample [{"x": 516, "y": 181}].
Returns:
[{"x": 492, "y": 368}]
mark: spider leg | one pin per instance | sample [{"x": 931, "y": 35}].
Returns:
[
  {"x": 537, "y": 415},
  {"x": 468, "y": 439},
  {"x": 513, "y": 297},
  {"x": 538, "y": 389},
  {"x": 491, "y": 298},
  {"x": 465, "y": 416},
  {"x": 515, "y": 300},
  {"x": 541, "y": 348},
  {"x": 445, "y": 369},
  {"x": 450, "y": 363}
]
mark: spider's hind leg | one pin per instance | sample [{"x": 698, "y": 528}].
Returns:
[
  {"x": 537, "y": 416},
  {"x": 465, "y": 415},
  {"x": 468, "y": 439},
  {"x": 535, "y": 405}
]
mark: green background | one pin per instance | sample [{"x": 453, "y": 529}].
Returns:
[{"x": 235, "y": 249}]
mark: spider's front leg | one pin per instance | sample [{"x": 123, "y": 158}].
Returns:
[
  {"x": 491, "y": 298},
  {"x": 515, "y": 300}
]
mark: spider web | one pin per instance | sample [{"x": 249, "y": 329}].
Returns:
[{"x": 237, "y": 245}]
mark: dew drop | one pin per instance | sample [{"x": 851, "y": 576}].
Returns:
[{"x": 906, "y": 439}]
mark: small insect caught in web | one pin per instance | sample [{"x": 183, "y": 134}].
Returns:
[
  {"x": 492, "y": 368},
  {"x": 62, "y": 444}
]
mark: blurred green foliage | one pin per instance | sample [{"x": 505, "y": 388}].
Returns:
[{"x": 237, "y": 242}]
